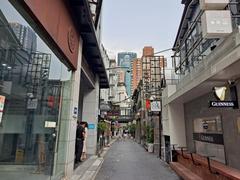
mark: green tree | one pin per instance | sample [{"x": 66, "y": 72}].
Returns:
[
  {"x": 150, "y": 134},
  {"x": 102, "y": 126}
]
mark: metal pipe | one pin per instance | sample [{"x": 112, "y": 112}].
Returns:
[{"x": 160, "y": 131}]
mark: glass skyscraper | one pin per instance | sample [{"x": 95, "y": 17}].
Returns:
[
  {"x": 26, "y": 36},
  {"x": 124, "y": 60}
]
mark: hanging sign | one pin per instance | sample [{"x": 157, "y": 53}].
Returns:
[
  {"x": 155, "y": 106},
  {"x": 148, "y": 104},
  {"x": 32, "y": 103},
  {"x": 2, "y": 102}
]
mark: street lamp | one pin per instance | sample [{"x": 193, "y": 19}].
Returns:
[{"x": 119, "y": 67}]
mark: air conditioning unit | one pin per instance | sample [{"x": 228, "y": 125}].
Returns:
[
  {"x": 213, "y": 4},
  {"x": 216, "y": 24}
]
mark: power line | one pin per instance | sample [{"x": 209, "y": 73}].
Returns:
[
  {"x": 157, "y": 90},
  {"x": 163, "y": 51}
]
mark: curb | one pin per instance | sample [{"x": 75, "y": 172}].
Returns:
[
  {"x": 102, "y": 155},
  {"x": 92, "y": 171}
]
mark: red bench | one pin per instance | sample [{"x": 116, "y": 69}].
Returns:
[{"x": 184, "y": 172}]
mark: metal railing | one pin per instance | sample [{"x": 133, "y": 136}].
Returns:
[{"x": 194, "y": 48}]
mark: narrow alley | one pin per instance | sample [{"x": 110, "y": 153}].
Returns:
[{"x": 129, "y": 161}]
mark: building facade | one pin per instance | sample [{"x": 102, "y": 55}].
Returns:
[
  {"x": 104, "y": 93},
  {"x": 45, "y": 91},
  {"x": 206, "y": 59},
  {"x": 125, "y": 60},
  {"x": 25, "y": 35},
  {"x": 148, "y": 51},
  {"x": 136, "y": 73},
  {"x": 153, "y": 76},
  {"x": 121, "y": 77},
  {"x": 113, "y": 81}
]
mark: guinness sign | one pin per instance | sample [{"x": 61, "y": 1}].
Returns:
[
  {"x": 223, "y": 104},
  {"x": 209, "y": 138}
]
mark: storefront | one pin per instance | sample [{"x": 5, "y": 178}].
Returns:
[
  {"x": 213, "y": 131},
  {"x": 42, "y": 65},
  {"x": 34, "y": 85}
]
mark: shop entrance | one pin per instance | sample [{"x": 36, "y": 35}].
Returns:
[{"x": 167, "y": 149}]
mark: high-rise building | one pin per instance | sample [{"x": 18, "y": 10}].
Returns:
[
  {"x": 121, "y": 77},
  {"x": 152, "y": 72},
  {"x": 124, "y": 60},
  {"x": 113, "y": 80},
  {"x": 148, "y": 51},
  {"x": 136, "y": 73},
  {"x": 26, "y": 36}
]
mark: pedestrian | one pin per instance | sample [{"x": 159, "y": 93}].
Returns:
[
  {"x": 84, "y": 153},
  {"x": 80, "y": 132}
]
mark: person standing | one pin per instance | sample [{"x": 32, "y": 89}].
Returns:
[
  {"x": 80, "y": 133},
  {"x": 84, "y": 154}
]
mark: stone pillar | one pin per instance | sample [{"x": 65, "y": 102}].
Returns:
[
  {"x": 177, "y": 124},
  {"x": 90, "y": 115},
  {"x": 156, "y": 134},
  {"x": 138, "y": 131},
  {"x": 67, "y": 123}
]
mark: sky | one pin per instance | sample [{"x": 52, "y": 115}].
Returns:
[{"x": 129, "y": 25}]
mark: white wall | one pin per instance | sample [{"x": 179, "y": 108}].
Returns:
[
  {"x": 177, "y": 124},
  {"x": 90, "y": 115}
]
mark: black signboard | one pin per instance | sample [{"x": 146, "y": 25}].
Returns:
[
  {"x": 210, "y": 138},
  {"x": 223, "y": 104},
  {"x": 115, "y": 111}
]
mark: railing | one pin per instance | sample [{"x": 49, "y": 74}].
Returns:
[{"x": 193, "y": 48}]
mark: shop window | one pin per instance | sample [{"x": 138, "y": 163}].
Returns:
[
  {"x": 208, "y": 137},
  {"x": 33, "y": 82}
]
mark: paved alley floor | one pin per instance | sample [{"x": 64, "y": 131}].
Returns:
[{"x": 127, "y": 160}]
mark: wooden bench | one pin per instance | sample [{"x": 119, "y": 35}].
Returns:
[
  {"x": 183, "y": 172},
  {"x": 222, "y": 169}
]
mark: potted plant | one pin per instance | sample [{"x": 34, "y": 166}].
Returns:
[
  {"x": 102, "y": 127},
  {"x": 132, "y": 129},
  {"x": 150, "y": 138}
]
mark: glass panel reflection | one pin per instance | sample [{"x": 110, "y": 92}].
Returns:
[{"x": 31, "y": 82}]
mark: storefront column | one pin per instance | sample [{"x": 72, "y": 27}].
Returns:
[
  {"x": 177, "y": 124},
  {"x": 90, "y": 115},
  {"x": 67, "y": 137}
]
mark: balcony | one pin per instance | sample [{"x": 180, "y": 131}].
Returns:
[{"x": 214, "y": 70}]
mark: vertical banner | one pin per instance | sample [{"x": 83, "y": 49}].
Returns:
[
  {"x": 2, "y": 101},
  {"x": 148, "y": 104}
]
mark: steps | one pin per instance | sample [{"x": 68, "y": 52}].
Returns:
[{"x": 184, "y": 172}]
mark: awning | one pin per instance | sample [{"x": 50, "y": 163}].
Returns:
[{"x": 82, "y": 16}]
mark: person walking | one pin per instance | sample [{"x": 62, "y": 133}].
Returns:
[
  {"x": 80, "y": 133},
  {"x": 84, "y": 153}
]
